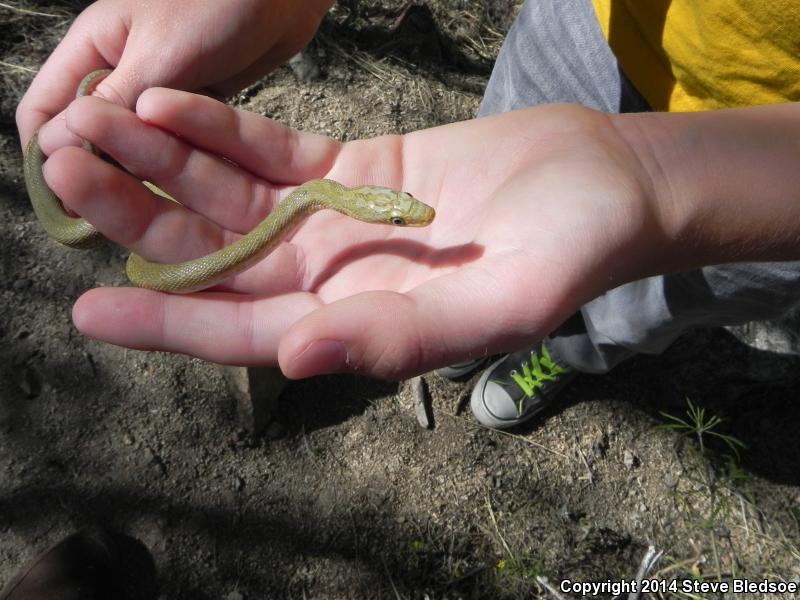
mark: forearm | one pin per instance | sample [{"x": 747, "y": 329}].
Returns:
[{"x": 726, "y": 183}]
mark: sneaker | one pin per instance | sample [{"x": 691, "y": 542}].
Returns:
[
  {"x": 517, "y": 387},
  {"x": 459, "y": 370},
  {"x": 88, "y": 565}
]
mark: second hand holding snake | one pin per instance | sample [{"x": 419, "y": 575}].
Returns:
[{"x": 371, "y": 204}]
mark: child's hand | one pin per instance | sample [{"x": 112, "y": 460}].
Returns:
[
  {"x": 215, "y": 46},
  {"x": 536, "y": 211}
]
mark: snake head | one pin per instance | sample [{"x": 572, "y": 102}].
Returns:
[{"x": 376, "y": 204}]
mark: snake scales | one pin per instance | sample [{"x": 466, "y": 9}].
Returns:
[{"x": 371, "y": 204}]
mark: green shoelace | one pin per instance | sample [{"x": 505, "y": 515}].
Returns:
[{"x": 536, "y": 372}]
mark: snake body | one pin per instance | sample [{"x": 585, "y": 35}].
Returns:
[{"x": 371, "y": 204}]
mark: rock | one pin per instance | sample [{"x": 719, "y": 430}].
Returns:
[
  {"x": 629, "y": 459},
  {"x": 779, "y": 335},
  {"x": 305, "y": 67},
  {"x": 256, "y": 390}
]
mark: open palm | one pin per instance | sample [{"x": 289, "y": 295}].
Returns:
[{"x": 536, "y": 214}]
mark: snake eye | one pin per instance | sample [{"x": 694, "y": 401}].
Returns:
[{"x": 398, "y": 221}]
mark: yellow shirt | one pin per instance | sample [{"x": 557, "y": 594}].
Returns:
[{"x": 687, "y": 55}]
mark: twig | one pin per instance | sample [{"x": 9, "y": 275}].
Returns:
[
  {"x": 497, "y": 529},
  {"x": 651, "y": 557},
  {"x": 17, "y": 67},
  {"x": 525, "y": 440},
  {"x": 391, "y": 581},
  {"x": 546, "y": 585},
  {"x": 590, "y": 475},
  {"x": 26, "y": 11},
  {"x": 422, "y": 403}
]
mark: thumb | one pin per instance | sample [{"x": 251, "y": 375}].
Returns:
[
  {"x": 127, "y": 81},
  {"x": 393, "y": 336},
  {"x": 463, "y": 315},
  {"x": 373, "y": 333}
]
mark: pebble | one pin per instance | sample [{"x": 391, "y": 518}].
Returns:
[{"x": 305, "y": 67}]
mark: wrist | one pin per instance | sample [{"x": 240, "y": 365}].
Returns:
[
  {"x": 724, "y": 183},
  {"x": 658, "y": 150}
]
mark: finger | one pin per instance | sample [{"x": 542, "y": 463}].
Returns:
[
  {"x": 83, "y": 50},
  {"x": 237, "y": 200},
  {"x": 126, "y": 212},
  {"x": 224, "y": 328},
  {"x": 468, "y": 313},
  {"x": 55, "y": 134},
  {"x": 262, "y": 146}
]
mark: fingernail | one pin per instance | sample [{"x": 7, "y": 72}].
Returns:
[{"x": 322, "y": 357}]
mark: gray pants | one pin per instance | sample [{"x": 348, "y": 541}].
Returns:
[{"x": 556, "y": 52}]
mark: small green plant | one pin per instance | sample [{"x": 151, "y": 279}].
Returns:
[
  {"x": 416, "y": 550},
  {"x": 698, "y": 425},
  {"x": 712, "y": 484}
]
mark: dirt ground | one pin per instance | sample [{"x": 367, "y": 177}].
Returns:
[{"x": 349, "y": 497}]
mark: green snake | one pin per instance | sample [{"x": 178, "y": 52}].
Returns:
[{"x": 372, "y": 204}]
